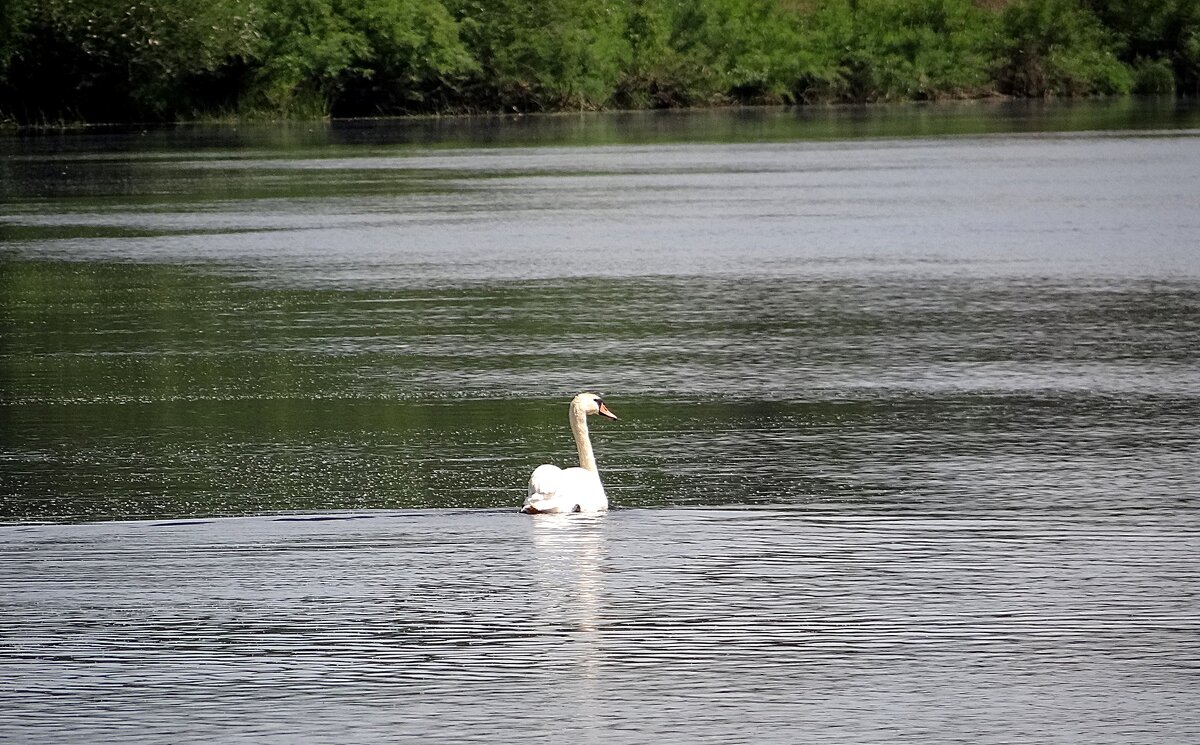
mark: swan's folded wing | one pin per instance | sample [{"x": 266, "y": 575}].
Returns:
[
  {"x": 545, "y": 480},
  {"x": 545, "y": 486}
]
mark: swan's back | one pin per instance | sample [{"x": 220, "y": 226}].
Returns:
[{"x": 554, "y": 489}]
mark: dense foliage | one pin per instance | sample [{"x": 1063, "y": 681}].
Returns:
[{"x": 121, "y": 60}]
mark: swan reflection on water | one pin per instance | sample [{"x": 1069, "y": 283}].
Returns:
[{"x": 569, "y": 552}]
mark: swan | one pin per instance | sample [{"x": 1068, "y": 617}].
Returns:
[{"x": 576, "y": 489}]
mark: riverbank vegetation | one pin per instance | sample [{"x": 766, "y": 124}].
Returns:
[{"x": 164, "y": 60}]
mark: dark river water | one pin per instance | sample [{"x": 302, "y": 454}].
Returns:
[{"x": 908, "y": 445}]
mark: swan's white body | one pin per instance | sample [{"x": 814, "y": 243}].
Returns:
[{"x": 576, "y": 489}]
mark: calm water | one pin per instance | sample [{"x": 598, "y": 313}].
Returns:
[{"x": 910, "y": 413}]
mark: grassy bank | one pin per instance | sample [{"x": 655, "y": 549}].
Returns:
[{"x": 164, "y": 60}]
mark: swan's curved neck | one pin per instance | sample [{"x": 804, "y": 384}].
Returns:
[{"x": 583, "y": 442}]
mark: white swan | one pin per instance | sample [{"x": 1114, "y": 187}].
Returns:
[{"x": 577, "y": 489}]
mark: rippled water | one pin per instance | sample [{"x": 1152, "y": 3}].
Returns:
[
  {"x": 909, "y": 399},
  {"x": 687, "y": 625}
]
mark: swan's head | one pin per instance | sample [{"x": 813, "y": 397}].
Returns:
[{"x": 591, "y": 403}]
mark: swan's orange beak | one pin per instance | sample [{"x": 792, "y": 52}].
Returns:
[{"x": 604, "y": 411}]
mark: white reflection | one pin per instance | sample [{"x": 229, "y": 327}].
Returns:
[
  {"x": 569, "y": 555},
  {"x": 569, "y": 551}
]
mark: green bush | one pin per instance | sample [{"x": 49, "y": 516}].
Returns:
[
  {"x": 120, "y": 60},
  {"x": 658, "y": 73},
  {"x": 544, "y": 54},
  {"x": 827, "y": 44},
  {"x": 14, "y": 16},
  {"x": 751, "y": 49},
  {"x": 746, "y": 51},
  {"x": 1057, "y": 48},
  {"x": 1158, "y": 30},
  {"x": 307, "y": 47},
  {"x": 415, "y": 58},
  {"x": 1153, "y": 77},
  {"x": 364, "y": 56},
  {"x": 919, "y": 49},
  {"x": 117, "y": 59}
]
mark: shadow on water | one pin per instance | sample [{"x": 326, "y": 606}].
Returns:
[{"x": 736, "y": 125}]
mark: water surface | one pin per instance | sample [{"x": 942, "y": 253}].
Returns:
[
  {"x": 684, "y": 625},
  {"x": 909, "y": 418}
]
